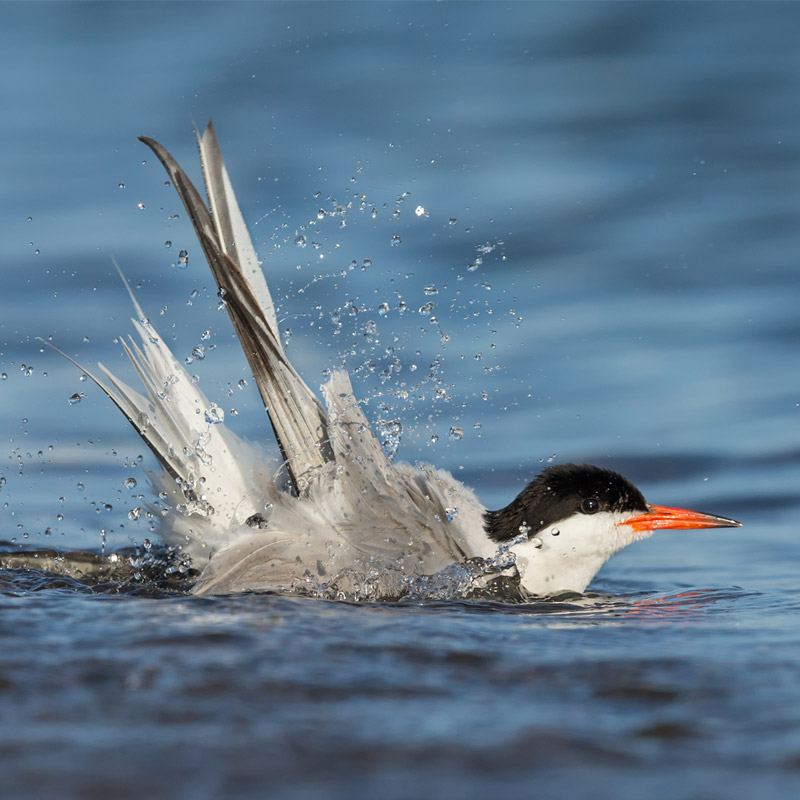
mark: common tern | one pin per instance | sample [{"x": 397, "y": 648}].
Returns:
[{"x": 339, "y": 506}]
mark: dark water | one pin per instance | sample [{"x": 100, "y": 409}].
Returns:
[{"x": 628, "y": 175}]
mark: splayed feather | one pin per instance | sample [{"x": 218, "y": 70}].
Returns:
[
  {"x": 352, "y": 515},
  {"x": 295, "y": 413}
]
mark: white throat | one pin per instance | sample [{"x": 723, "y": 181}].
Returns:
[{"x": 566, "y": 556}]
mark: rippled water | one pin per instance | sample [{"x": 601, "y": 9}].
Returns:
[{"x": 602, "y": 206}]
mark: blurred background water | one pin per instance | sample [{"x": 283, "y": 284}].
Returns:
[{"x": 602, "y": 203}]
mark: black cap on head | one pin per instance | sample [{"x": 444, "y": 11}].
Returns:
[{"x": 557, "y": 493}]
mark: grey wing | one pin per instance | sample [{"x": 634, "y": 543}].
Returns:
[{"x": 297, "y": 418}]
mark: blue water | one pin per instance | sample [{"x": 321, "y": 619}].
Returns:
[{"x": 628, "y": 175}]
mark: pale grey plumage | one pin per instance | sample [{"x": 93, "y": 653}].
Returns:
[{"x": 344, "y": 511}]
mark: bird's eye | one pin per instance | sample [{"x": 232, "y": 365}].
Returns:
[{"x": 591, "y": 505}]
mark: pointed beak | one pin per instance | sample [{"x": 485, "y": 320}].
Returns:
[{"x": 677, "y": 519}]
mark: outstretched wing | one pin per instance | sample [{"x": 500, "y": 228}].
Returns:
[
  {"x": 297, "y": 418},
  {"x": 209, "y": 470}
]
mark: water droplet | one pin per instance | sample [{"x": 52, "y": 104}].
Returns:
[
  {"x": 3, "y": 376},
  {"x": 390, "y": 432},
  {"x": 215, "y": 415},
  {"x": 135, "y": 513},
  {"x": 121, "y": 185},
  {"x": 141, "y": 206},
  {"x": 536, "y": 542},
  {"x": 242, "y": 383},
  {"x": 80, "y": 487},
  {"x": 430, "y": 290},
  {"x": 554, "y": 531},
  {"x": 396, "y": 240},
  {"x": 183, "y": 259},
  {"x": 130, "y": 483},
  {"x": 76, "y": 398},
  {"x": 524, "y": 529},
  {"x": 300, "y": 241},
  {"x": 451, "y": 513},
  {"x": 168, "y": 243},
  {"x": 383, "y": 309},
  {"x": 420, "y": 211},
  {"x": 198, "y": 352},
  {"x": 456, "y": 432}
]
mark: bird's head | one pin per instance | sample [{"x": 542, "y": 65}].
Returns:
[{"x": 566, "y": 523}]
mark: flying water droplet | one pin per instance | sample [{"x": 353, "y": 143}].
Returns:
[
  {"x": 451, "y": 513},
  {"x": 390, "y": 433},
  {"x": 76, "y": 398},
  {"x": 214, "y": 415},
  {"x": 130, "y": 483},
  {"x": 456, "y": 432},
  {"x": 536, "y": 542}
]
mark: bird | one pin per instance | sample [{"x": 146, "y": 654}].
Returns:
[{"x": 337, "y": 510}]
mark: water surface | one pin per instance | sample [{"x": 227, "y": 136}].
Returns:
[{"x": 627, "y": 176}]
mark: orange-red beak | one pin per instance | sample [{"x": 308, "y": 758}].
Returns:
[{"x": 677, "y": 518}]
